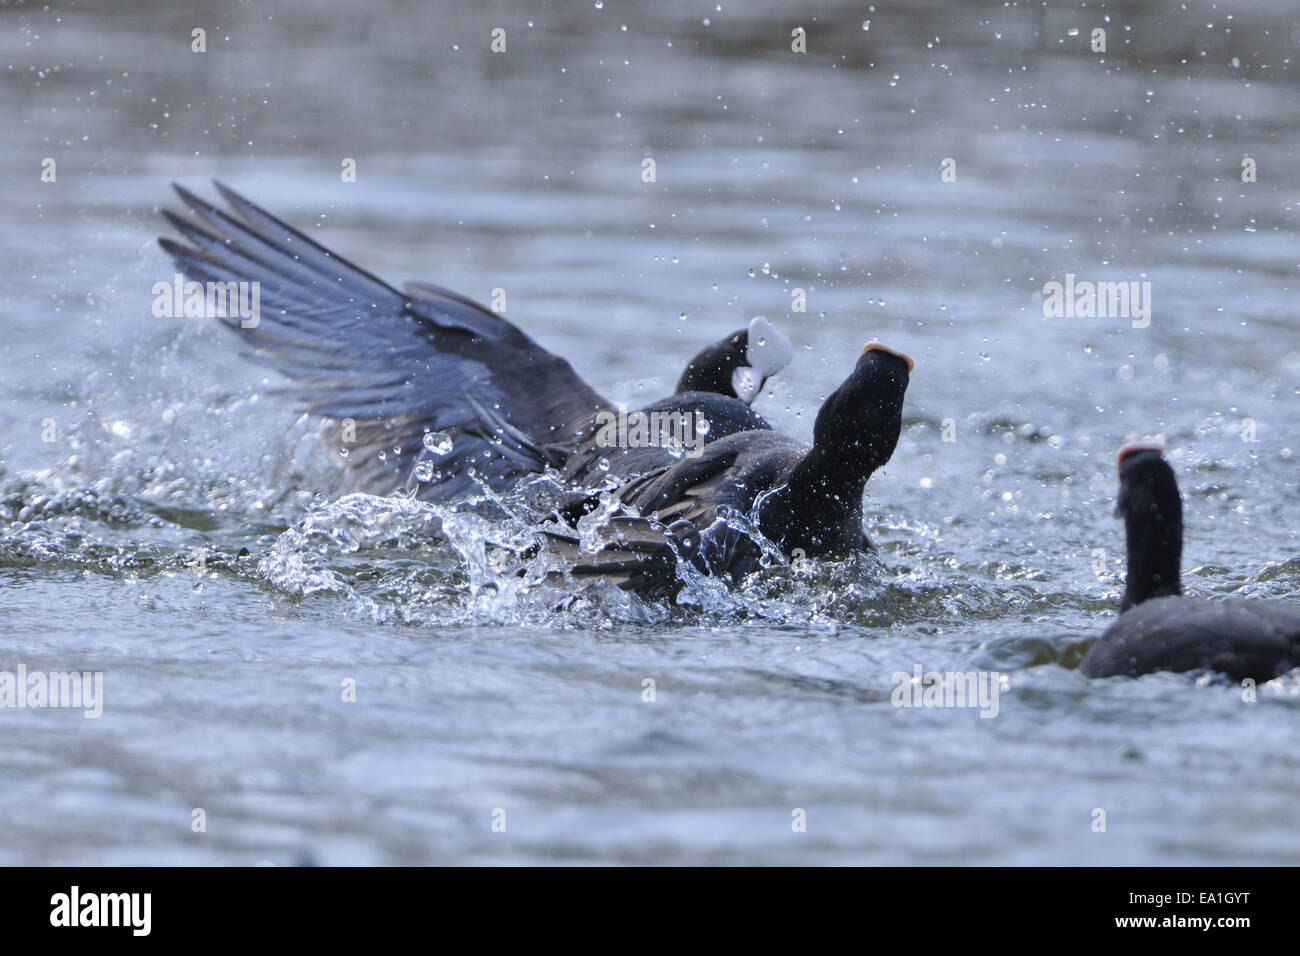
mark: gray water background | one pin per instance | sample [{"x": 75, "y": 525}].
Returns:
[{"x": 774, "y": 171}]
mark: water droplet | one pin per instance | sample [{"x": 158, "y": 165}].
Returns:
[{"x": 439, "y": 443}]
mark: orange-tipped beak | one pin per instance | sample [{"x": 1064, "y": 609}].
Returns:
[{"x": 877, "y": 347}]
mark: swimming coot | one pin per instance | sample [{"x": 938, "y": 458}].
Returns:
[
  {"x": 426, "y": 376},
  {"x": 1161, "y": 629}
]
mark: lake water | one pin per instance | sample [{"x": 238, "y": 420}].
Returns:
[{"x": 140, "y": 456}]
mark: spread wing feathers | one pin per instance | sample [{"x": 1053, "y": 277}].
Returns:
[
  {"x": 398, "y": 364},
  {"x": 637, "y": 554}
]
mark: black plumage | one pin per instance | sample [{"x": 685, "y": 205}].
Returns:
[
  {"x": 1159, "y": 628},
  {"x": 407, "y": 373},
  {"x": 1241, "y": 638},
  {"x": 802, "y": 499}
]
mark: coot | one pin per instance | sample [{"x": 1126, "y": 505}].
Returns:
[
  {"x": 426, "y": 376},
  {"x": 803, "y": 499},
  {"x": 1160, "y": 628}
]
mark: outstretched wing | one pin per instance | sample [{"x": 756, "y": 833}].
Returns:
[{"x": 398, "y": 365}]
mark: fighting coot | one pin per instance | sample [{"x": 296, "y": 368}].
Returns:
[
  {"x": 802, "y": 499},
  {"x": 426, "y": 375}
]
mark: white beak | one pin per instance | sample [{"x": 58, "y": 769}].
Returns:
[
  {"x": 746, "y": 382},
  {"x": 768, "y": 352}
]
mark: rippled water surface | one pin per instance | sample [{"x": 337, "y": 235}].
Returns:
[{"x": 186, "y": 533}]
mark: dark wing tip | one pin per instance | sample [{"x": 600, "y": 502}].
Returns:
[
  {"x": 228, "y": 194},
  {"x": 192, "y": 199},
  {"x": 176, "y": 221}
]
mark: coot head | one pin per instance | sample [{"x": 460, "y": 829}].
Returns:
[
  {"x": 739, "y": 364},
  {"x": 819, "y": 508},
  {"x": 859, "y": 423},
  {"x": 1152, "y": 511}
]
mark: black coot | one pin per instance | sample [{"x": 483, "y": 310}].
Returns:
[
  {"x": 739, "y": 364},
  {"x": 804, "y": 499},
  {"x": 1160, "y": 629},
  {"x": 426, "y": 373},
  {"x": 711, "y": 402}
]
